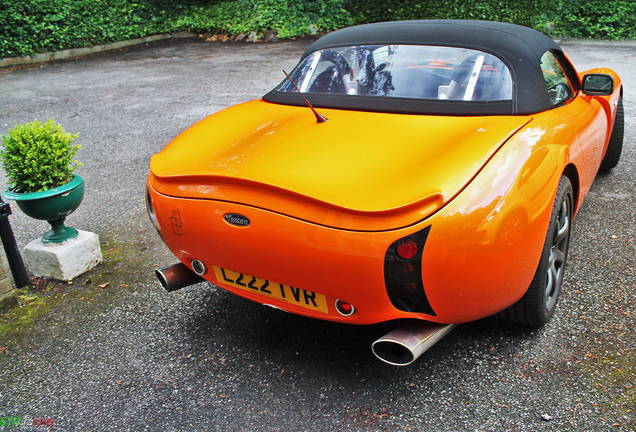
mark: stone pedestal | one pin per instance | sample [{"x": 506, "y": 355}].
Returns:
[
  {"x": 64, "y": 261},
  {"x": 5, "y": 282}
]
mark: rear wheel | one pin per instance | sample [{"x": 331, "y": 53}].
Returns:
[
  {"x": 615, "y": 145},
  {"x": 537, "y": 305}
]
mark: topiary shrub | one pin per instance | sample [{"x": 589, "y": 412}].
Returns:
[{"x": 38, "y": 156}]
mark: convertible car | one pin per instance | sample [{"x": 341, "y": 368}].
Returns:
[{"x": 423, "y": 171}]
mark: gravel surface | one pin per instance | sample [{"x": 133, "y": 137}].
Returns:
[{"x": 117, "y": 353}]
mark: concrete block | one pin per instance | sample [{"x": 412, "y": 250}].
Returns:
[
  {"x": 64, "y": 261},
  {"x": 5, "y": 283},
  {"x": 8, "y": 300}
]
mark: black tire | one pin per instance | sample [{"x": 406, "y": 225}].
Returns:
[
  {"x": 537, "y": 305},
  {"x": 615, "y": 145}
]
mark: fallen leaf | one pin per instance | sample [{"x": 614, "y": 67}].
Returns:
[{"x": 104, "y": 285}]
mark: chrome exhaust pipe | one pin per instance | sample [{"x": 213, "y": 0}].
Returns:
[
  {"x": 405, "y": 344},
  {"x": 177, "y": 276}
]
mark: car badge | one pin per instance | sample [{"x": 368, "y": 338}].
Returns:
[{"x": 236, "y": 219}]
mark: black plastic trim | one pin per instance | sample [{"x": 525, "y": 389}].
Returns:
[
  {"x": 415, "y": 301},
  {"x": 393, "y": 104}
]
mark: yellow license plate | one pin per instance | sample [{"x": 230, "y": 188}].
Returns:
[{"x": 289, "y": 294}]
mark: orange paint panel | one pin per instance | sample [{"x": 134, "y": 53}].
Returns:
[{"x": 484, "y": 247}]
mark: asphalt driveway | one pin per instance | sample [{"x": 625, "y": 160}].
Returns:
[{"x": 115, "y": 352}]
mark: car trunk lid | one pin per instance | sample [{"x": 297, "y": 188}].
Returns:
[{"x": 358, "y": 170}]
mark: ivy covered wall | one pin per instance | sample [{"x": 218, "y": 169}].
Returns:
[{"x": 34, "y": 26}]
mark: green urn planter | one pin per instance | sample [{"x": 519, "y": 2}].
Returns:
[{"x": 53, "y": 206}]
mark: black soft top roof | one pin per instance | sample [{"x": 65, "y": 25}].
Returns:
[{"x": 519, "y": 47}]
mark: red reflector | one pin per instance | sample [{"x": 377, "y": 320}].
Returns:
[
  {"x": 407, "y": 250},
  {"x": 344, "y": 308}
]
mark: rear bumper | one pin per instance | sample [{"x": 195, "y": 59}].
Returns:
[
  {"x": 337, "y": 264},
  {"x": 463, "y": 279}
]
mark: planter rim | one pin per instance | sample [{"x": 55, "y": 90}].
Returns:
[{"x": 27, "y": 196}]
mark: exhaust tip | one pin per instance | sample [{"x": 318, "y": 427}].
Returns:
[
  {"x": 404, "y": 345},
  {"x": 162, "y": 278},
  {"x": 199, "y": 268},
  {"x": 393, "y": 353},
  {"x": 177, "y": 276}
]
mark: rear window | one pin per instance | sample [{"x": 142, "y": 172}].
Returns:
[{"x": 404, "y": 71}]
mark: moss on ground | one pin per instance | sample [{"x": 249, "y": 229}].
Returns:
[
  {"x": 34, "y": 302},
  {"x": 118, "y": 271}
]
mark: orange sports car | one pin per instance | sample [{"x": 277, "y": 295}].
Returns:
[{"x": 425, "y": 171}]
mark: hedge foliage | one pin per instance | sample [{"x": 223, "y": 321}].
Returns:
[
  {"x": 33, "y": 26},
  {"x": 290, "y": 18},
  {"x": 513, "y": 11},
  {"x": 606, "y": 19}
]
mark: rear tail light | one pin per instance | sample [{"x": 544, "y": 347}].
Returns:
[
  {"x": 407, "y": 250},
  {"x": 403, "y": 273},
  {"x": 344, "y": 308},
  {"x": 404, "y": 270}
]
